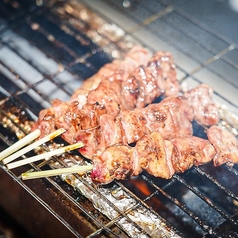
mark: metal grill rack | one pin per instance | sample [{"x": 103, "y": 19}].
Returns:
[{"x": 48, "y": 48}]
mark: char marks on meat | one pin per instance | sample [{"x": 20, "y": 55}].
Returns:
[
  {"x": 189, "y": 151},
  {"x": 226, "y": 145},
  {"x": 97, "y": 129},
  {"x": 169, "y": 118},
  {"x": 159, "y": 157},
  {"x": 163, "y": 68},
  {"x": 112, "y": 110},
  {"x": 205, "y": 111},
  {"x": 147, "y": 83},
  {"x": 135, "y": 57},
  {"x": 166, "y": 117},
  {"x": 113, "y": 90}
]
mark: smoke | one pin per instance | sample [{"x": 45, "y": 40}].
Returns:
[{"x": 233, "y": 5}]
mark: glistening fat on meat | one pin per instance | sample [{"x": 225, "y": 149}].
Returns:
[
  {"x": 118, "y": 112},
  {"x": 115, "y": 90},
  {"x": 159, "y": 157}
]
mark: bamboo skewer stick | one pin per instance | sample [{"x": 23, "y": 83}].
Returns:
[
  {"x": 55, "y": 172},
  {"x": 44, "y": 155},
  {"x": 34, "y": 145},
  {"x": 19, "y": 144}
]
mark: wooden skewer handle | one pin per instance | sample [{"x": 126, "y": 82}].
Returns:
[{"x": 55, "y": 172}]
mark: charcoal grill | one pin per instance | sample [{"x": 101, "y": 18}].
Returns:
[{"x": 48, "y": 48}]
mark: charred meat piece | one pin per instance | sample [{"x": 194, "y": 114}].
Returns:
[
  {"x": 147, "y": 83},
  {"x": 134, "y": 124},
  {"x": 163, "y": 69},
  {"x": 111, "y": 132},
  {"x": 205, "y": 111},
  {"x": 166, "y": 117},
  {"x": 97, "y": 129},
  {"x": 81, "y": 125},
  {"x": 189, "y": 151},
  {"x": 226, "y": 145},
  {"x": 139, "y": 89},
  {"x": 169, "y": 118},
  {"x": 159, "y": 157},
  {"x": 154, "y": 155},
  {"x": 135, "y": 57},
  {"x": 114, "y": 163},
  {"x": 47, "y": 117},
  {"x": 114, "y": 93}
]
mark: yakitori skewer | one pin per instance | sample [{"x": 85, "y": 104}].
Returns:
[
  {"x": 19, "y": 144},
  {"x": 54, "y": 172},
  {"x": 34, "y": 145},
  {"x": 44, "y": 155}
]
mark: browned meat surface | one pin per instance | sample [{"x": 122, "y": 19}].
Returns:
[
  {"x": 226, "y": 145},
  {"x": 169, "y": 118},
  {"x": 81, "y": 125},
  {"x": 113, "y": 92},
  {"x": 135, "y": 57},
  {"x": 205, "y": 111},
  {"x": 159, "y": 157},
  {"x": 191, "y": 150},
  {"x": 108, "y": 93},
  {"x": 163, "y": 68},
  {"x": 47, "y": 117},
  {"x": 110, "y": 131},
  {"x": 134, "y": 124},
  {"x": 140, "y": 88},
  {"x": 97, "y": 130},
  {"x": 154, "y": 155},
  {"x": 113, "y": 110},
  {"x": 114, "y": 163},
  {"x": 147, "y": 83}
]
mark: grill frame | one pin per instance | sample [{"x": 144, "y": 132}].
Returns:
[{"x": 21, "y": 95}]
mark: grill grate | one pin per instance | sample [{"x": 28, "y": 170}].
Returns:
[{"x": 48, "y": 49}]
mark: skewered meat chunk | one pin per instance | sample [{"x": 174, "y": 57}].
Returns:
[
  {"x": 81, "y": 125},
  {"x": 226, "y": 145},
  {"x": 112, "y": 92},
  {"x": 168, "y": 117},
  {"x": 159, "y": 157},
  {"x": 205, "y": 111},
  {"x": 113, "y": 109},
  {"x": 147, "y": 83},
  {"x": 163, "y": 68},
  {"x": 139, "y": 89},
  {"x": 189, "y": 151},
  {"x": 134, "y": 124},
  {"x": 47, "y": 117},
  {"x": 135, "y": 57},
  {"x": 154, "y": 155},
  {"x": 98, "y": 130},
  {"x": 114, "y": 163}
]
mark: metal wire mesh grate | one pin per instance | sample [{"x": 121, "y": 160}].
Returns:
[{"x": 47, "y": 51}]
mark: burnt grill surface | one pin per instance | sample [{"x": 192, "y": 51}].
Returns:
[{"x": 48, "y": 48}]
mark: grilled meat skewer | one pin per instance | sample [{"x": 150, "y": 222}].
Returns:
[
  {"x": 162, "y": 158},
  {"x": 171, "y": 117},
  {"x": 115, "y": 93},
  {"x": 226, "y": 146},
  {"x": 159, "y": 157},
  {"x": 135, "y": 57}
]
